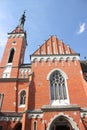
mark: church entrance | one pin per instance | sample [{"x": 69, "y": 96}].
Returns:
[
  {"x": 61, "y": 127},
  {"x": 60, "y": 124}
]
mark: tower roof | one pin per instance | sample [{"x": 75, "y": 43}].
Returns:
[
  {"x": 20, "y": 27},
  {"x": 53, "y": 46}
]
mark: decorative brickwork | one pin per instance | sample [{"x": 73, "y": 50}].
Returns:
[{"x": 50, "y": 93}]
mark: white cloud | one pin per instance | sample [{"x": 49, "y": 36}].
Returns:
[{"x": 82, "y": 28}]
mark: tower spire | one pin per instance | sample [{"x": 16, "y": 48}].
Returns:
[{"x": 22, "y": 20}]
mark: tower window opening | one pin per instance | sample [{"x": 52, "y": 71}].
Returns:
[{"x": 11, "y": 56}]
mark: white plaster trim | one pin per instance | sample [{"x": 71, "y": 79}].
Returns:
[
  {"x": 83, "y": 114},
  {"x": 15, "y": 35},
  {"x": 9, "y": 64},
  {"x": 60, "y": 102},
  {"x": 7, "y": 70},
  {"x": 52, "y": 57},
  {"x": 10, "y": 118},
  {"x": 21, "y": 106},
  {"x": 35, "y": 115}
]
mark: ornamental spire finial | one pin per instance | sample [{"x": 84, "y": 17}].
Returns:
[{"x": 22, "y": 20}]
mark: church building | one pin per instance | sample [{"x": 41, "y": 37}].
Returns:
[{"x": 49, "y": 93}]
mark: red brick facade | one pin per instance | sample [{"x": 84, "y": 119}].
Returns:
[{"x": 50, "y": 93}]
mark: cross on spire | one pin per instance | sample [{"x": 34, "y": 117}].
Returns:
[{"x": 22, "y": 20}]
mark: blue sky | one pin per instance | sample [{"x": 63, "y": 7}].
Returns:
[{"x": 67, "y": 19}]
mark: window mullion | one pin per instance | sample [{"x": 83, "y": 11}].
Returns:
[{"x": 58, "y": 88}]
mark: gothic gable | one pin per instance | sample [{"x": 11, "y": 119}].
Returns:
[{"x": 53, "y": 46}]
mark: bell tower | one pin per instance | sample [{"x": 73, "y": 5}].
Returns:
[{"x": 14, "y": 51}]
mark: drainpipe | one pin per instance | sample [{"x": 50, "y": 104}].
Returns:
[{"x": 1, "y": 100}]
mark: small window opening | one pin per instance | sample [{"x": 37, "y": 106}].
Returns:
[
  {"x": 14, "y": 42},
  {"x": 22, "y": 97},
  {"x": 35, "y": 125}
]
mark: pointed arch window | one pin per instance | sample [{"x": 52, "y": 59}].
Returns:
[
  {"x": 11, "y": 55},
  {"x": 22, "y": 97},
  {"x": 57, "y": 86}
]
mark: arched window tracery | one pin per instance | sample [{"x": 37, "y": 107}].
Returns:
[{"x": 57, "y": 86}]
